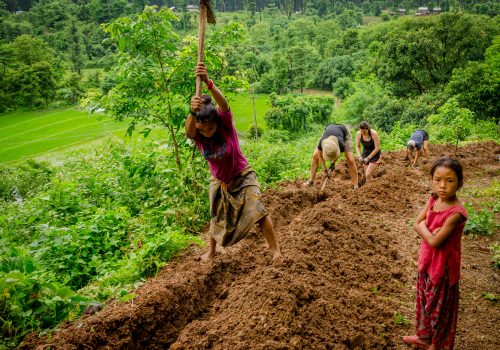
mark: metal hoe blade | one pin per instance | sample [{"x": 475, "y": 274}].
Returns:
[{"x": 210, "y": 14}]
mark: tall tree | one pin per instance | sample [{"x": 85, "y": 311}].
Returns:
[
  {"x": 419, "y": 54},
  {"x": 155, "y": 71},
  {"x": 75, "y": 45}
]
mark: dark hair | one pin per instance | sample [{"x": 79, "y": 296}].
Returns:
[
  {"x": 449, "y": 163},
  {"x": 364, "y": 125},
  {"x": 208, "y": 111}
]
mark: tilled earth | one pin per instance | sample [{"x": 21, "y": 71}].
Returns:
[{"x": 346, "y": 280}]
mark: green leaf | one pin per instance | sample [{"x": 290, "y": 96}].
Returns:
[{"x": 127, "y": 297}]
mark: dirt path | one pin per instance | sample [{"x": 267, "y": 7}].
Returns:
[{"x": 348, "y": 273}]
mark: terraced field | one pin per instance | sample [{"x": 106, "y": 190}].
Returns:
[{"x": 28, "y": 134}]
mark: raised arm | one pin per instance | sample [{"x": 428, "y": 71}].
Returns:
[
  {"x": 219, "y": 98},
  {"x": 190, "y": 126}
]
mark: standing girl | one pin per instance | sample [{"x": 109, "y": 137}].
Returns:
[
  {"x": 235, "y": 205},
  {"x": 371, "y": 149},
  {"x": 440, "y": 225}
]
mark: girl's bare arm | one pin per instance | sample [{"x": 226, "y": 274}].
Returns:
[
  {"x": 421, "y": 218},
  {"x": 190, "y": 126},
  {"x": 436, "y": 238},
  {"x": 376, "y": 140}
]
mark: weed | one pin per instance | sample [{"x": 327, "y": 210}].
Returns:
[
  {"x": 400, "y": 320},
  {"x": 495, "y": 298}
]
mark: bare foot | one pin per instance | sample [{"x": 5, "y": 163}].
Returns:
[
  {"x": 208, "y": 255},
  {"x": 276, "y": 254},
  {"x": 307, "y": 183},
  {"x": 417, "y": 342}
]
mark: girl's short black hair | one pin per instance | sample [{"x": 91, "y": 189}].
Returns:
[
  {"x": 208, "y": 111},
  {"x": 449, "y": 163}
]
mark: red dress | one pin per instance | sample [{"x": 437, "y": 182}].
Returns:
[{"x": 437, "y": 284}]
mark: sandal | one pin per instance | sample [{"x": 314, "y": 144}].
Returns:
[{"x": 417, "y": 342}]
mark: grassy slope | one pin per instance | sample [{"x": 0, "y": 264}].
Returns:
[
  {"x": 242, "y": 108},
  {"x": 26, "y": 134}
]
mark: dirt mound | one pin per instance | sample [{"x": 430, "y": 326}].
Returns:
[{"x": 348, "y": 272}]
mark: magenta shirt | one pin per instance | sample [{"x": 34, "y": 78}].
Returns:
[
  {"x": 449, "y": 254},
  {"x": 222, "y": 151}
]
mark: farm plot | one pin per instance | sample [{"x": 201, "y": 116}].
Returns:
[
  {"x": 28, "y": 134},
  {"x": 346, "y": 280}
]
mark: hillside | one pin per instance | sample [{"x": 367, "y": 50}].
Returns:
[{"x": 348, "y": 273}]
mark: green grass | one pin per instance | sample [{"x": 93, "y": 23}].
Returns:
[
  {"x": 242, "y": 107},
  {"x": 28, "y": 134},
  {"x": 35, "y": 133},
  {"x": 367, "y": 20}
]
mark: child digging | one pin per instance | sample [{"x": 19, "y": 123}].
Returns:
[
  {"x": 440, "y": 225},
  {"x": 235, "y": 205}
]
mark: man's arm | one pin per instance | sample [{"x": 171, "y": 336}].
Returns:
[
  {"x": 358, "y": 144},
  {"x": 417, "y": 154}
]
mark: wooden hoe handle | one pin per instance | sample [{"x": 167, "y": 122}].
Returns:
[{"x": 201, "y": 42}]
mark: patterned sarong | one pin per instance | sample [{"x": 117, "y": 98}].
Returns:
[
  {"x": 235, "y": 211},
  {"x": 437, "y": 311}
]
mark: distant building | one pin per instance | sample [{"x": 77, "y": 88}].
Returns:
[
  {"x": 422, "y": 11},
  {"x": 192, "y": 8},
  {"x": 402, "y": 12},
  {"x": 436, "y": 10}
]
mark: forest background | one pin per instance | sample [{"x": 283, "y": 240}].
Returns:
[{"x": 93, "y": 226}]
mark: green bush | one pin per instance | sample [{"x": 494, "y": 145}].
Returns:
[
  {"x": 23, "y": 180},
  {"x": 450, "y": 122},
  {"x": 480, "y": 222},
  {"x": 297, "y": 113}
]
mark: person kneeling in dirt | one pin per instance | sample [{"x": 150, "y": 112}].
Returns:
[
  {"x": 335, "y": 140},
  {"x": 371, "y": 149},
  {"x": 235, "y": 197},
  {"x": 418, "y": 141}
]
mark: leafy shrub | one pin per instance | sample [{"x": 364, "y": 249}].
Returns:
[
  {"x": 105, "y": 219},
  {"x": 29, "y": 301},
  {"x": 23, "y": 180},
  {"x": 384, "y": 112},
  {"x": 397, "y": 137},
  {"x": 480, "y": 222},
  {"x": 296, "y": 113},
  {"x": 255, "y": 133},
  {"x": 450, "y": 122},
  {"x": 275, "y": 160}
]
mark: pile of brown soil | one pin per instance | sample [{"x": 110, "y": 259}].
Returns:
[{"x": 346, "y": 279}]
